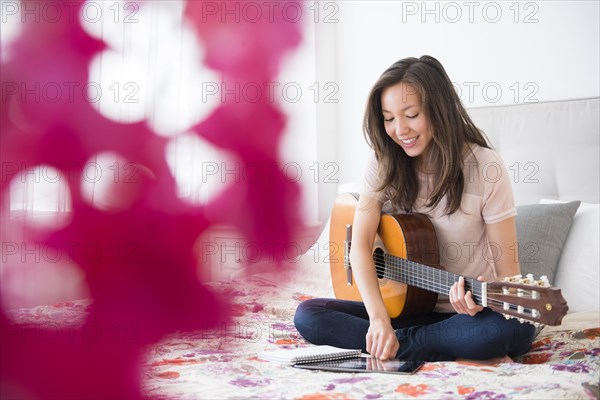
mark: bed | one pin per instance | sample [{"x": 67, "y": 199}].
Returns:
[
  {"x": 564, "y": 363},
  {"x": 221, "y": 362}
]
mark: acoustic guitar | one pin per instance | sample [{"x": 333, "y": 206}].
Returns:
[{"x": 410, "y": 278}]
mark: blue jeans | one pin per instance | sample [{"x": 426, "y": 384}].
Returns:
[{"x": 428, "y": 337}]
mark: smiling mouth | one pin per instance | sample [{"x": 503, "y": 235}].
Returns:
[{"x": 409, "y": 141}]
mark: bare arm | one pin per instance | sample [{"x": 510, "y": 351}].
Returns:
[
  {"x": 381, "y": 338},
  {"x": 503, "y": 235},
  {"x": 503, "y": 238}
]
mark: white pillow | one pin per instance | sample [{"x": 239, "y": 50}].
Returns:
[{"x": 578, "y": 273}]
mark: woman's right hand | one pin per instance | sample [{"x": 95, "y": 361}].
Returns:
[
  {"x": 382, "y": 342},
  {"x": 381, "y": 339}
]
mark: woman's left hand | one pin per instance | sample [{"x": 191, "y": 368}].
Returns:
[{"x": 463, "y": 302}]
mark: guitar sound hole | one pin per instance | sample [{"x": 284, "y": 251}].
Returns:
[{"x": 379, "y": 262}]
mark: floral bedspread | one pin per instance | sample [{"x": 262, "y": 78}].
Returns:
[{"x": 221, "y": 362}]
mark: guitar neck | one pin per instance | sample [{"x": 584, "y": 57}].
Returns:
[{"x": 429, "y": 278}]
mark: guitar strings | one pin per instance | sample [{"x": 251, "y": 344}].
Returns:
[
  {"x": 420, "y": 280},
  {"x": 420, "y": 276},
  {"x": 477, "y": 297},
  {"x": 404, "y": 272},
  {"x": 423, "y": 281}
]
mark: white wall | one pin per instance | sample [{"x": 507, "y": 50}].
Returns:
[
  {"x": 549, "y": 50},
  {"x": 529, "y": 51}
]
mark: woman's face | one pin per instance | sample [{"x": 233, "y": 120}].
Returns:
[{"x": 404, "y": 119}]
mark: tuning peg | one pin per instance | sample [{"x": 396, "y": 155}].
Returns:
[
  {"x": 528, "y": 280},
  {"x": 514, "y": 278},
  {"x": 543, "y": 281}
]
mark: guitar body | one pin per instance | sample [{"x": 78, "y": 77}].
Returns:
[
  {"x": 406, "y": 258},
  {"x": 407, "y": 236}
]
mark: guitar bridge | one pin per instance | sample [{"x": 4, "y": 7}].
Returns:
[{"x": 347, "y": 265}]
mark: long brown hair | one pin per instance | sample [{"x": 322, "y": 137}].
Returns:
[{"x": 451, "y": 126}]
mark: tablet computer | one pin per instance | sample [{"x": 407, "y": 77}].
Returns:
[{"x": 365, "y": 364}]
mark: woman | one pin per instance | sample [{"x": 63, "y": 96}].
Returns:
[{"x": 429, "y": 158}]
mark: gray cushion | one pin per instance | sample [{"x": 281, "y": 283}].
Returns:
[{"x": 542, "y": 230}]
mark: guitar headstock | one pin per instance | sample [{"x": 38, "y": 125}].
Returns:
[{"x": 527, "y": 298}]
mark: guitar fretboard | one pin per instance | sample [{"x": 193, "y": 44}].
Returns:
[{"x": 426, "y": 277}]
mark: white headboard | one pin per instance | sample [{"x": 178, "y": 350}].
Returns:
[{"x": 551, "y": 149}]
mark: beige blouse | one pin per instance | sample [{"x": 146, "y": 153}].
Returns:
[{"x": 462, "y": 241}]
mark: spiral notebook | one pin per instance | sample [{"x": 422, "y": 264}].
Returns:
[{"x": 311, "y": 354}]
